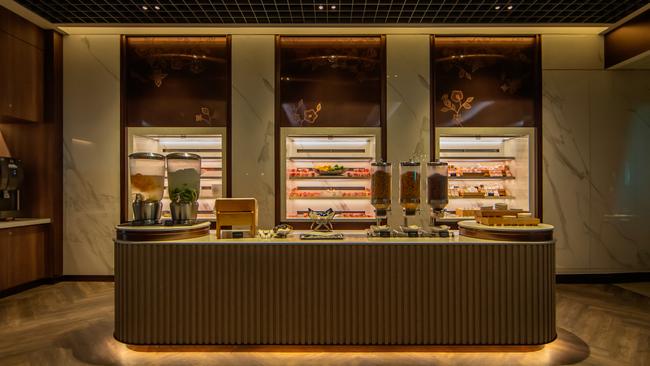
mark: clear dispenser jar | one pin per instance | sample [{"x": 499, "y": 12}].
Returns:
[
  {"x": 409, "y": 186},
  {"x": 147, "y": 175},
  {"x": 184, "y": 177},
  {"x": 437, "y": 185},
  {"x": 380, "y": 187}
]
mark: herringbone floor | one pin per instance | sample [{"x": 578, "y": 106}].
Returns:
[{"x": 71, "y": 323}]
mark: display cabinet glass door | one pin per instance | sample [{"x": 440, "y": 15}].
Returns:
[
  {"x": 328, "y": 171},
  {"x": 488, "y": 166},
  {"x": 208, "y": 143}
]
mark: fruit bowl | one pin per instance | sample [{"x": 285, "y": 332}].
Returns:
[
  {"x": 330, "y": 169},
  {"x": 330, "y": 172}
]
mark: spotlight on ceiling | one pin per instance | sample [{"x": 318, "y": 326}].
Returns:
[
  {"x": 333, "y": 7},
  {"x": 156, "y": 7},
  {"x": 497, "y": 7},
  {"x": 144, "y": 7},
  {"x": 509, "y": 7},
  {"x": 321, "y": 7}
]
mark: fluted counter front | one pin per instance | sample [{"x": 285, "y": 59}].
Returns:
[{"x": 359, "y": 291}]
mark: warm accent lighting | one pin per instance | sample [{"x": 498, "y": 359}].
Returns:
[
  {"x": 333, "y": 7},
  {"x": 156, "y": 7},
  {"x": 144, "y": 7},
  {"x": 509, "y": 7},
  {"x": 497, "y": 7},
  {"x": 321, "y": 7}
]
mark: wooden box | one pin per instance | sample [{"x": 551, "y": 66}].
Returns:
[{"x": 236, "y": 212}]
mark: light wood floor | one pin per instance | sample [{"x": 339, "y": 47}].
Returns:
[{"x": 71, "y": 323}]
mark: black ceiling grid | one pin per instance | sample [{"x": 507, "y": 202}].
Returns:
[{"x": 255, "y": 12}]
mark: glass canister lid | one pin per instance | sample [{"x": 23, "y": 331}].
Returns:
[
  {"x": 380, "y": 163},
  {"x": 183, "y": 156},
  {"x": 146, "y": 155},
  {"x": 410, "y": 163}
]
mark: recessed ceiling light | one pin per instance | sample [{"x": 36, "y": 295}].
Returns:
[
  {"x": 509, "y": 7},
  {"x": 156, "y": 7},
  {"x": 144, "y": 7},
  {"x": 321, "y": 7},
  {"x": 333, "y": 7},
  {"x": 497, "y": 7}
]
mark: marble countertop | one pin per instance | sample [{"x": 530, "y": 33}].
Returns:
[
  {"x": 352, "y": 237},
  {"x": 19, "y": 222}
]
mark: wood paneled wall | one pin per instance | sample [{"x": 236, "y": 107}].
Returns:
[{"x": 31, "y": 122}]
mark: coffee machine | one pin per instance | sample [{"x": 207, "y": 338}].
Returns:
[{"x": 11, "y": 178}]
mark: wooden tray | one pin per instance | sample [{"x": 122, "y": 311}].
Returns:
[
  {"x": 498, "y": 213},
  {"x": 509, "y": 221},
  {"x": 474, "y": 175},
  {"x": 472, "y": 194}
]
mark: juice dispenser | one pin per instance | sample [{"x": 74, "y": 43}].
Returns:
[
  {"x": 147, "y": 175},
  {"x": 184, "y": 178}
]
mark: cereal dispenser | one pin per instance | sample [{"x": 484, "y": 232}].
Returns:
[
  {"x": 437, "y": 192},
  {"x": 409, "y": 188},
  {"x": 380, "y": 190}
]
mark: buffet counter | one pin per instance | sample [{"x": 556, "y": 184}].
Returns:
[{"x": 356, "y": 291}]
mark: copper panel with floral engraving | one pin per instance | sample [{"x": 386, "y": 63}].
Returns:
[
  {"x": 177, "y": 81},
  {"x": 331, "y": 81},
  {"x": 484, "y": 81}
]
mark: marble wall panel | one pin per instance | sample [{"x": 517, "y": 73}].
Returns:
[
  {"x": 620, "y": 171},
  {"x": 407, "y": 94},
  {"x": 253, "y": 100},
  {"x": 565, "y": 165},
  {"x": 91, "y": 151}
]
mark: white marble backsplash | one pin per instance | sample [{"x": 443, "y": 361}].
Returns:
[
  {"x": 253, "y": 113},
  {"x": 91, "y": 151},
  {"x": 407, "y": 95}
]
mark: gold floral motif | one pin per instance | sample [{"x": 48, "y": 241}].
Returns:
[
  {"x": 456, "y": 104},
  {"x": 304, "y": 115},
  {"x": 203, "y": 116},
  {"x": 157, "y": 76}
]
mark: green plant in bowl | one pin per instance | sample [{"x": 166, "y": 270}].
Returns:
[{"x": 183, "y": 195}]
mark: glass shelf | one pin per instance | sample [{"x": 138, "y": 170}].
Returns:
[
  {"x": 477, "y": 158},
  {"x": 329, "y": 177},
  {"x": 480, "y": 178},
  {"x": 330, "y": 158},
  {"x": 330, "y": 198},
  {"x": 483, "y": 198}
]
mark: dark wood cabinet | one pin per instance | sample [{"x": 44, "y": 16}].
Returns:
[
  {"x": 21, "y": 69},
  {"x": 176, "y": 81},
  {"x": 325, "y": 81},
  {"x": 22, "y": 255},
  {"x": 485, "y": 81}
]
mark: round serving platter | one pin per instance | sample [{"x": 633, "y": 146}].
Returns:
[
  {"x": 540, "y": 232},
  {"x": 128, "y": 232}
]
